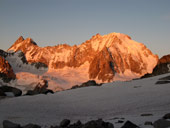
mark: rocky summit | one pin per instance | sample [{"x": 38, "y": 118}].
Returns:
[{"x": 104, "y": 58}]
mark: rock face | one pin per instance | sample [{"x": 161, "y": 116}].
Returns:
[
  {"x": 6, "y": 72},
  {"x": 109, "y": 57},
  {"x": 162, "y": 67}
]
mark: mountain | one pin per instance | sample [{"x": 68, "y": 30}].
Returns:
[
  {"x": 162, "y": 67},
  {"x": 102, "y": 58}
]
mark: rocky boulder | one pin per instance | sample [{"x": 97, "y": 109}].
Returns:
[
  {"x": 31, "y": 126},
  {"x": 166, "y": 116},
  {"x": 98, "y": 124},
  {"x": 161, "y": 123},
  {"x": 7, "y": 89},
  {"x": 2, "y": 93},
  {"x": 64, "y": 123},
  {"x": 164, "y": 80},
  {"x": 86, "y": 84},
  {"x": 39, "y": 65},
  {"x": 129, "y": 124},
  {"x": 9, "y": 124},
  {"x": 41, "y": 88}
]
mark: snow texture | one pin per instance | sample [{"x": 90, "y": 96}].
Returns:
[{"x": 109, "y": 101}]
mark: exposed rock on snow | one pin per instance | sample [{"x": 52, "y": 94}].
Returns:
[
  {"x": 19, "y": 63},
  {"x": 148, "y": 123},
  {"x": 161, "y": 123},
  {"x": 39, "y": 65},
  {"x": 90, "y": 124},
  {"x": 166, "y": 116},
  {"x": 9, "y": 124},
  {"x": 111, "y": 57},
  {"x": 98, "y": 124},
  {"x": 41, "y": 88},
  {"x": 86, "y": 84},
  {"x": 129, "y": 124},
  {"x": 31, "y": 126},
  {"x": 64, "y": 123},
  {"x": 2, "y": 93},
  {"x": 8, "y": 89},
  {"x": 164, "y": 80},
  {"x": 15, "y": 64},
  {"x": 147, "y": 114}
]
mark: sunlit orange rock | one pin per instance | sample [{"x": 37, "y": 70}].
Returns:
[
  {"x": 6, "y": 71},
  {"x": 110, "y": 57}
]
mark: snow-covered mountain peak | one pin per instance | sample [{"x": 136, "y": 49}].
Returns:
[
  {"x": 22, "y": 43},
  {"x": 20, "y": 39},
  {"x": 29, "y": 41},
  {"x": 110, "y": 57},
  {"x": 120, "y": 41}
]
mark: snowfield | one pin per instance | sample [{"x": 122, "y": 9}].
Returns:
[{"x": 110, "y": 101}]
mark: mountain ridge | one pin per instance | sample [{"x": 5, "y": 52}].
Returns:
[{"x": 108, "y": 55}]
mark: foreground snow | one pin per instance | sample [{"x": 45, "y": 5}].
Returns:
[{"x": 119, "y": 99}]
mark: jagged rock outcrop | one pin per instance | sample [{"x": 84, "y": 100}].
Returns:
[
  {"x": 86, "y": 84},
  {"x": 162, "y": 67},
  {"x": 19, "y": 61},
  {"x": 41, "y": 88},
  {"x": 110, "y": 57},
  {"x": 6, "y": 72}
]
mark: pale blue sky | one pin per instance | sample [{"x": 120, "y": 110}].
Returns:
[{"x": 52, "y": 22}]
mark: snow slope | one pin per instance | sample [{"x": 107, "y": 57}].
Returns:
[
  {"x": 58, "y": 80},
  {"x": 19, "y": 66},
  {"x": 118, "y": 99},
  {"x": 28, "y": 76}
]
